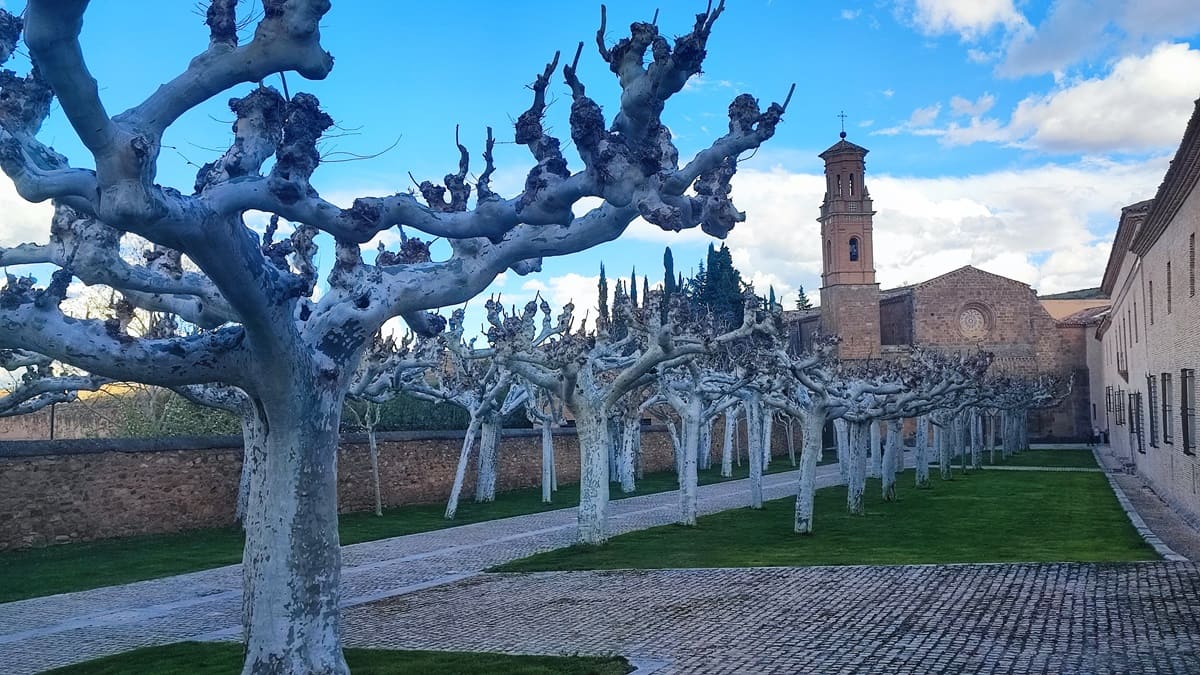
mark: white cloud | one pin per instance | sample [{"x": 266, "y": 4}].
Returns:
[
  {"x": 979, "y": 56},
  {"x": 22, "y": 222},
  {"x": 970, "y": 19},
  {"x": 571, "y": 287},
  {"x": 851, "y": 14},
  {"x": 961, "y": 106},
  {"x": 917, "y": 124},
  {"x": 1077, "y": 30},
  {"x": 866, "y": 123},
  {"x": 1143, "y": 103},
  {"x": 888, "y": 93}
]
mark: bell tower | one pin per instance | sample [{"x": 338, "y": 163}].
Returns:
[{"x": 849, "y": 294}]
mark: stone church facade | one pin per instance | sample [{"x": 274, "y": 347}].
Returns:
[{"x": 967, "y": 309}]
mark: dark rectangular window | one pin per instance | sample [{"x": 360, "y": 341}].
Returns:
[
  {"x": 1152, "y": 408},
  {"x": 1187, "y": 408},
  {"x": 1168, "y": 404},
  {"x": 1150, "y": 302},
  {"x": 1168, "y": 288},
  {"x": 1192, "y": 264},
  {"x": 1108, "y": 400},
  {"x": 1135, "y": 422}
]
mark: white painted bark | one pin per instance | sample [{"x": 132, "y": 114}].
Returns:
[
  {"x": 813, "y": 426},
  {"x": 377, "y": 489},
  {"x": 876, "y": 441},
  {"x": 592, "y": 428},
  {"x": 292, "y": 557},
  {"x": 253, "y": 437},
  {"x": 921, "y": 452},
  {"x": 791, "y": 439},
  {"x": 548, "y": 485},
  {"x": 460, "y": 471},
  {"x": 489, "y": 450},
  {"x": 705, "y": 445},
  {"x": 754, "y": 437},
  {"x": 944, "y": 441},
  {"x": 688, "y": 477},
  {"x": 841, "y": 435},
  {"x": 860, "y": 446},
  {"x": 976, "y": 440},
  {"x": 768, "y": 420},
  {"x": 630, "y": 431},
  {"x": 727, "y": 443},
  {"x": 893, "y": 454}
]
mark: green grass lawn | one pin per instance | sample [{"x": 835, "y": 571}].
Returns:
[
  {"x": 75, "y": 567},
  {"x": 1072, "y": 458},
  {"x": 998, "y": 516},
  {"x": 223, "y": 658}
]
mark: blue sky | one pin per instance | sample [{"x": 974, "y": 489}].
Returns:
[{"x": 1004, "y": 134}]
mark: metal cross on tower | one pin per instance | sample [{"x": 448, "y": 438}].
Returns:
[{"x": 842, "y": 115}]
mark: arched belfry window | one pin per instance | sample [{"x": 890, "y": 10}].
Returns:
[
  {"x": 853, "y": 249},
  {"x": 839, "y": 185},
  {"x": 828, "y": 251},
  {"x": 851, "y": 185}
]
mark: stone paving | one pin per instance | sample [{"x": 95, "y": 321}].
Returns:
[
  {"x": 1128, "y": 618},
  {"x": 58, "y": 630}
]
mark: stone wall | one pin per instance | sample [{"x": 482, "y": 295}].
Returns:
[{"x": 65, "y": 491}]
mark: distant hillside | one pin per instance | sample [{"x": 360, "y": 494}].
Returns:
[{"x": 1081, "y": 294}]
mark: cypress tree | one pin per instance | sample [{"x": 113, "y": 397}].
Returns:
[
  {"x": 602, "y": 300},
  {"x": 802, "y": 302}
]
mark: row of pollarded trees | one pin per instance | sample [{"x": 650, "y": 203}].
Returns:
[
  {"x": 283, "y": 341},
  {"x": 290, "y": 351}
]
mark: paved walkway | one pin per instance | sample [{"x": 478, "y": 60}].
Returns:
[
  {"x": 1134, "y": 618},
  {"x": 42, "y": 633},
  {"x": 1159, "y": 517}
]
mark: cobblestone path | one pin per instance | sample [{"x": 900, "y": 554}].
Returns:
[
  {"x": 1128, "y": 618},
  {"x": 42, "y": 633}
]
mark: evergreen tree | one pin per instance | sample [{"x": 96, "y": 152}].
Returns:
[
  {"x": 645, "y": 289},
  {"x": 802, "y": 302},
  {"x": 669, "y": 286},
  {"x": 633, "y": 291},
  {"x": 602, "y": 300},
  {"x": 771, "y": 296},
  {"x": 721, "y": 292}
]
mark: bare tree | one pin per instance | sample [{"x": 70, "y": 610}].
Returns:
[{"x": 295, "y": 356}]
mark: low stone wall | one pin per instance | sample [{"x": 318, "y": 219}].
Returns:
[{"x": 64, "y": 491}]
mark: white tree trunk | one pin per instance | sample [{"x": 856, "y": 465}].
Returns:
[
  {"x": 374, "y": 449},
  {"x": 944, "y": 440},
  {"x": 893, "y": 454},
  {"x": 460, "y": 471},
  {"x": 594, "y": 448},
  {"x": 688, "y": 478},
  {"x": 860, "y": 445},
  {"x": 768, "y": 421},
  {"x": 754, "y": 438},
  {"x": 252, "y": 449},
  {"x": 630, "y": 429},
  {"x": 841, "y": 434},
  {"x": 547, "y": 462},
  {"x": 791, "y": 440},
  {"x": 706, "y": 444},
  {"x": 727, "y": 444},
  {"x": 976, "y": 440},
  {"x": 921, "y": 452},
  {"x": 489, "y": 450},
  {"x": 876, "y": 440},
  {"x": 292, "y": 558},
  {"x": 812, "y": 428}
]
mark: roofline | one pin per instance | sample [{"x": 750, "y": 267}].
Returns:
[
  {"x": 1127, "y": 226},
  {"x": 1182, "y": 176}
]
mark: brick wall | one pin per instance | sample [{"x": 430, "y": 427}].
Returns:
[{"x": 94, "y": 489}]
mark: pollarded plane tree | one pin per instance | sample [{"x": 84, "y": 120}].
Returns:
[
  {"x": 1010, "y": 399},
  {"x": 930, "y": 381},
  {"x": 545, "y": 411},
  {"x": 387, "y": 369},
  {"x": 293, "y": 354},
  {"x": 591, "y": 371},
  {"x": 37, "y": 384}
]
